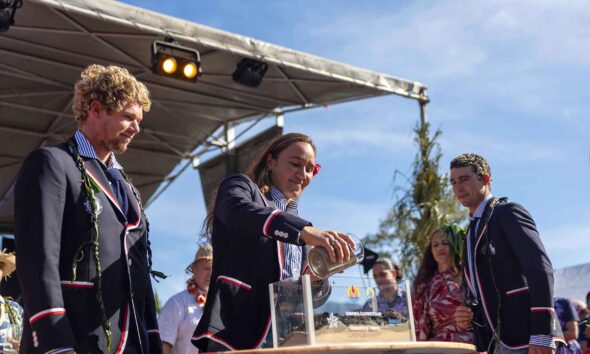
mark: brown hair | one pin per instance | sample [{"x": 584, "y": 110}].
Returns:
[
  {"x": 258, "y": 170},
  {"x": 112, "y": 86},
  {"x": 479, "y": 165},
  {"x": 428, "y": 265}
]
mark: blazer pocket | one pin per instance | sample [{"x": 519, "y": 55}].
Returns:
[
  {"x": 234, "y": 295},
  {"x": 514, "y": 314},
  {"x": 524, "y": 289},
  {"x": 234, "y": 282},
  {"x": 80, "y": 302}
]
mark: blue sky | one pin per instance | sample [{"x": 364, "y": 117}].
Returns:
[{"x": 507, "y": 80}]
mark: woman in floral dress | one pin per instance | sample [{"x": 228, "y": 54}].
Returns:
[
  {"x": 11, "y": 313},
  {"x": 437, "y": 288}
]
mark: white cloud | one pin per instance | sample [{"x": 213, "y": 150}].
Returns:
[
  {"x": 520, "y": 53},
  {"x": 456, "y": 38},
  {"x": 556, "y": 31}
]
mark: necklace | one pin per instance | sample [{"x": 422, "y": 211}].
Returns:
[{"x": 192, "y": 288}]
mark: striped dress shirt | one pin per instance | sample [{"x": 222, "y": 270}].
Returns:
[{"x": 292, "y": 254}]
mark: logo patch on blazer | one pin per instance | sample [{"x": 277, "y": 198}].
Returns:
[
  {"x": 492, "y": 249},
  {"x": 88, "y": 208}
]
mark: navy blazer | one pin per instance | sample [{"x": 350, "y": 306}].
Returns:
[
  {"x": 52, "y": 220},
  {"x": 247, "y": 257},
  {"x": 514, "y": 277}
]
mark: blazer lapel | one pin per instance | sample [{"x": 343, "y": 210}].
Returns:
[
  {"x": 134, "y": 212},
  {"x": 96, "y": 173}
]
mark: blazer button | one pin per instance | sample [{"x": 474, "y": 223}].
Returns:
[{"x": 129, "y": 261}]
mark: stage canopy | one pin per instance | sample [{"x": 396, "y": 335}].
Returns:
[{"x": 42, "y": 55}]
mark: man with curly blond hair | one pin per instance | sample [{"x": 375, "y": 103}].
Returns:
[
  {"x": 81, "y": 233},
  {"x": 508, "y": 277}
]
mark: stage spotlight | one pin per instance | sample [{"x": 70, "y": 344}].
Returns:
[
  {"x": 169, "y": 65},
  {"x": 190, "y": 70},
  {"x": 7, "y": 12},
  {"x": 171, "y": 59},
  {"x": 250, "y": 72}
]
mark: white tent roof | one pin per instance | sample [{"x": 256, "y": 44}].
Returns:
[{"x": 42, "y": 55}]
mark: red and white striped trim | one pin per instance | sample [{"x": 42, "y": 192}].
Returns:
[
  {"x": 45, "y": 313},
  {"x": 281, "y": 259},
  {"x": 517, "y": 291},
  {"x": 125, "y": 248},
  {"x": 542, "y": 309},
  {"x": 264, "y": 334},
  {"x": 469, "y": 281},
  {"x": 106, "y": 191},
  {"x": 477, "y": 281},
  {"x": 485, "y": 304},
  {"x": 235, "y": 282},
  {"x": 305, "y": 268},
  {"x": 483, "y": 298},
  {"x": 137, "y": 222},
  {"x": 515, "y": 347},
  {"x": 60, "y": 350},
  {"x": 153, "y": 331},
  {"x": 76, "y": 284},
  {"x": 214, "y": 338},
  {"x": 125, "y": 331},
  {"x": 266, "y": 226}
]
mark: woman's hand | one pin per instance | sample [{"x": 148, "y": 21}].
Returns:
[
  {"x": 463, "y": 317},
  {"x": 337, "y": 244}
]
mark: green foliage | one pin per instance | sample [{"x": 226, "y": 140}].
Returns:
[
  {"x": 158, "y": 302},
  {"x": 421, "y": 205}
]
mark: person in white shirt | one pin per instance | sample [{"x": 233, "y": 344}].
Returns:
[{"x": 182, "y": 312}]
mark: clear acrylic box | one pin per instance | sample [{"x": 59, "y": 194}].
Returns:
[{"x": 304, "y": 314}]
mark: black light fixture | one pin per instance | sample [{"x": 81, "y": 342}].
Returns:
[
  {"x": 7, "y": 12},
  {"x": 250, "y": 72},
  {"x": 172, "y": 59}
]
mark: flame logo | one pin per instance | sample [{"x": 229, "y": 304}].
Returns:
[{"x": 353, "y": 293}]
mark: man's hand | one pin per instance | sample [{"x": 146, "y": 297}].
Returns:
[
  {"x": 463, "y": 317},
  {"x": 337, "y": 244},
  {"x": 536, "y": 349}
]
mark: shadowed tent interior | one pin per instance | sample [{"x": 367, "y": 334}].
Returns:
[{"x": 52, "y": 41}]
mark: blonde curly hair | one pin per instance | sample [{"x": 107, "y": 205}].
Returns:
[{"x": 112, "y": 86}]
